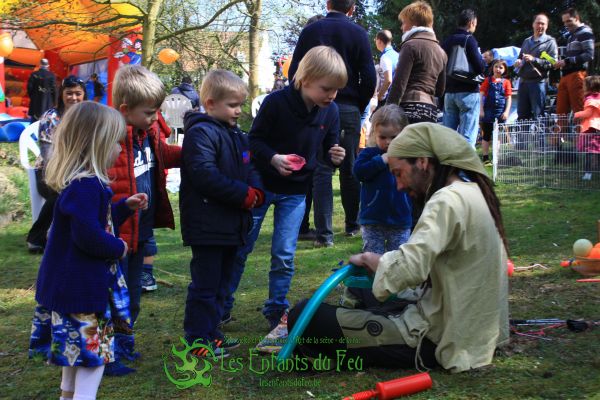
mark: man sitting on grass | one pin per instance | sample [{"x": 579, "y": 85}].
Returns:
[{"x": 457, "y": 253}]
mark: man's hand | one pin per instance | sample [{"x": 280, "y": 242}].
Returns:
[
  {"x": 528, "y": 58},
  {"x": 366, "y": 260},
  {"x": 281, "y": 164},
  {"x": 518, "y": 63},
  {"x": 137, "y": 201},
  {"x": 337, "y": 154},
  {"x": 560, "y": 64}
]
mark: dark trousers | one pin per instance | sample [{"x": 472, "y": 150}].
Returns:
[
  {"x": 324, "y": 324},
  {"x": 132, "y": 267},
  {"x": 349, "y": 185},
  {"x": 211, "y": 270},
  {"x": 305, "y": 226},
  {"x": 39, "y": 230}
]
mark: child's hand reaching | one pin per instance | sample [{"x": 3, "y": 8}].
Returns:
[
  {"x": 281, "y": 163},
  {"x": 337, "y": 154},
  {"x": 137, "y": 201}
]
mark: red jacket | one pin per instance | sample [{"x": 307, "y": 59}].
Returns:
[{"x": 124, "y": 185}]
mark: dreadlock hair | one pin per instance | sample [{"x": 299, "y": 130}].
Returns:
[{"x": 440, "y": 180}]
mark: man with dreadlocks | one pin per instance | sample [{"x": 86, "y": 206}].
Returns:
[{"x": 457, "y": 253}]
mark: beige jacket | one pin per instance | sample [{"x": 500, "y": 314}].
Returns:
[{"x": 457, "y": 245}]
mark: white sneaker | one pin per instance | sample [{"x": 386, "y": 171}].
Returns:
[{"x": 587, "y": 176}]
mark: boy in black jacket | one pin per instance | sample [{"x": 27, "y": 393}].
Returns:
[
  {"x": 288, "y": 130},
  {"x": 219, "y": 187}
]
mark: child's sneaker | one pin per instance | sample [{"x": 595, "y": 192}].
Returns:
[
  {"x": 148, "y": 282},
  {"x": 215, "y": 348},
  {"x": 488, "y": 163},
  {"x": 227, "y": 318},
  {"x": 227, "y": 343},
  {"x": 275, "y": 340}
]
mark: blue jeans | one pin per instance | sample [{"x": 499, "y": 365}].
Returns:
[
  {"x": 381, "y": 238},
  {"x": 461, "y": 113},
  {"x": 531, "y": 100},
  {"x": 287, "y": 217}
]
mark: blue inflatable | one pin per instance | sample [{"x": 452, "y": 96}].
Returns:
[
  {"x": 12, "y": 131},
  {"x": 352, "y": 275}
]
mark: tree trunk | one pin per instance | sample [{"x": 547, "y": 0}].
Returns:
[
  {"x": 255, "y": 10},
  {"x": 149, "y": 32}
]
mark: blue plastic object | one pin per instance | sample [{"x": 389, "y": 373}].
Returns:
[
  {"x": 3, "y": 137},
  {"x": 314, "y": 303},
  {"x": 13, "y": 130}
]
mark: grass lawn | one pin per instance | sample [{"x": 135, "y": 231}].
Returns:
[{"x": 541, "y": 225}]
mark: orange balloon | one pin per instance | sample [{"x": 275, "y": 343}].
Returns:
[
  {"x": 285, "y": 68},
  {"x": 595, "y": 253},
  {"x": 168, "y": 56},
  {"x": 6, "y": 44},
  {"x": 597, "y": 245}
]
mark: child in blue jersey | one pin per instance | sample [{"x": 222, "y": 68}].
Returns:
[{"x": 385, "y": 212}]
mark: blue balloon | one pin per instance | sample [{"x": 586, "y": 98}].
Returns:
[{"x": 313, "y": 304}]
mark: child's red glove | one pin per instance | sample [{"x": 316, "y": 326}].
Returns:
[{"x": 253, "y": 195}]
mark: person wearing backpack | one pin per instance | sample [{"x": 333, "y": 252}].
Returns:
[{"x": 461, "y": 100}]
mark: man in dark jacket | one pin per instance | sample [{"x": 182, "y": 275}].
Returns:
[
  {"x": 352, "y": 43},
  {"x": 580, "y": 52},
  {"x": 461, "y": 101},
  {"x": 187, "y": 89},
  {"x": 41, "y": 89}
]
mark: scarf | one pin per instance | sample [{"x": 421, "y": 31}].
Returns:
[{"x": 427, "y": 139}]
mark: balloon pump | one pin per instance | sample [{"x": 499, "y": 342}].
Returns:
[{"x": 395, "y": 388}]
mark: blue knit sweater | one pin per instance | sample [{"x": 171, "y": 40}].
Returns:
[
  {"x": 73, "y": 275},
  {"x": 380, "y": 202}
]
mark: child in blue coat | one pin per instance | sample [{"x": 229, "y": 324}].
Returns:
[
  {"x": 385, "y": 212},
  {"x": 80, "y": 290},
  {"x": 219, "y": 187}
]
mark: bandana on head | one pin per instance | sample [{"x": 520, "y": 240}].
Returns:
[{"x": 427, "y": 139}]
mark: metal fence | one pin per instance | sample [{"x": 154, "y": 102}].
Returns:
[{"x": 547, "y": 152}]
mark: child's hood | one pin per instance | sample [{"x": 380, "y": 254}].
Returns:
[{"x": 194, "y": 117}]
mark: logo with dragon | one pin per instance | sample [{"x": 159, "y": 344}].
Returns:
[{"x": 188, "y": 374}]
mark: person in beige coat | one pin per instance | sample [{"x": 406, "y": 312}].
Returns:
[{"x": 456, "y": 255}]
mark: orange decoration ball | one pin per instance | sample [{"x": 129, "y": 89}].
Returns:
[
  {"x": 595, "y": 253},
  {"x": 6, "y": 44},
  {"x": 168, "y": 56}
]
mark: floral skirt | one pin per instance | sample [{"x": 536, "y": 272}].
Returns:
[{"x": 81, "y": 340}]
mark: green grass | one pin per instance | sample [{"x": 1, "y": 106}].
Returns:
[{"x": 541, "y": 225}]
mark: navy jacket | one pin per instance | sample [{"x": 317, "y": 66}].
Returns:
[
  {"x": 473, "y": 55},
  {"x": 187, "y": 89},
  {"x": 215, "y": 175},
  {"x": 351, "y": 41},
  {"x": 73, "y": 275},
  {"x": 380, "y": 202},
  {"x": 283, "y": 125}
]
